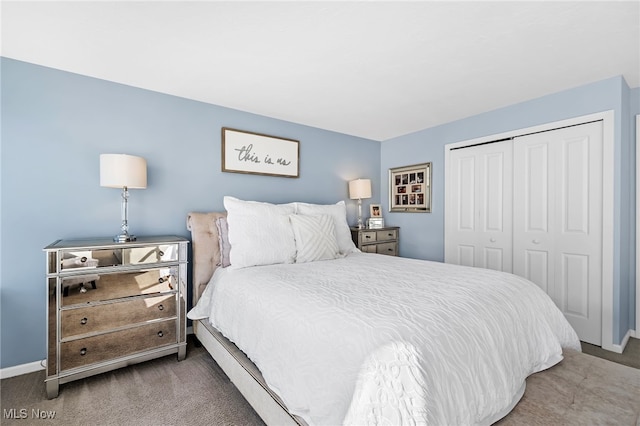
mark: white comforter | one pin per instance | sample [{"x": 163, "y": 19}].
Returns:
[{"x": 371, "y": 339}]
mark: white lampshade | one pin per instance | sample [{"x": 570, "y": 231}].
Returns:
[
  {"x": 120, "y": 170},
  {"x": 360, "y": 188}
]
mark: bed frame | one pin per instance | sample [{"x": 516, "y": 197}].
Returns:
[
  {"x": 240, "y": 370},
  {"x": 544, "y": 396}
]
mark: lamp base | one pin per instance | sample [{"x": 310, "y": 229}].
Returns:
[
  {"x": 124, "y": 238},
  {"x": 360, "y": 223}
]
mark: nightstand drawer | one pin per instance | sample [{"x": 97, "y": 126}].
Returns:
[
  {"x": 106, "y": 317},
  {"x": 108, "y": 346},
  {"x": 369, "y": 248},
  {"x": 118, "y": 285},
  {"x": 391, "y": 234},
  {"x": 387, "y": 248},
  {"x": 368, "y": 236}
]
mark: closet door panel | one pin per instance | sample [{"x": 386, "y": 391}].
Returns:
[
  {"x": 495, "y": 192},
  {"x": 536, "y": 268},
  {"x": 466, "y": 201},
  {"x": 533, "y": 205},
  {"x": 578, "y": 290},
  {"x": 575, "y": 285},
  {"x": 536, "y": 186},
  {"x": 461, "y": 246},
  {"x": 558, "y": 211},
  {"x": 493, "y": 198},
  {"x": 479, "y": 233},
  {"x": 575, "y": 200},
  {"x": 466, "y": 255},
  {"x": 494, "y": 258}
]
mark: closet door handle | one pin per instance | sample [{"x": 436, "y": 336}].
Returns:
[
  {"x": 536, "y": 241},
  {"x": 493, "y": 240}
]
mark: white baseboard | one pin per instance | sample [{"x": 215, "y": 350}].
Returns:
[
  {"x": 634, "y": 333},
  {"x": 620, "y": 348},
  {"x": 18, "y": 370}
]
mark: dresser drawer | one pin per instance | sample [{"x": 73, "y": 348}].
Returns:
[
  {"x": 369, "y": 248},
  {"x": 117, "y": 344},
  {"x": 114, "y": 315},
  {"x": 387, "y": 248},
  {"x": 118, "y": 285},
  {"x": 388, "y": 235},
  {"x": 368, "y": 236},
  {"x": 115, "y": 256}
]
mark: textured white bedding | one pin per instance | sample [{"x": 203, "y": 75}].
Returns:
[{"x": 371, "y": 339}]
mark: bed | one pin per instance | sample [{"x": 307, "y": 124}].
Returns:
[{"x": 330, "y": 335}]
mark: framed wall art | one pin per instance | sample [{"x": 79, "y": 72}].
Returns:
[
  {"x": 255, "y": 153},
  {"x": 410, "y": 189}
]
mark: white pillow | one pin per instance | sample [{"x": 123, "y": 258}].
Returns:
[
  {"x": 339, "y": 213},
  {"x": 259, "y": 233},
  {"x": 315, "y": 237}
]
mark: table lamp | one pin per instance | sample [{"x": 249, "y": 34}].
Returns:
[
  {"x": 125, "y": 172},
  {"x": 359, "y": 189}
]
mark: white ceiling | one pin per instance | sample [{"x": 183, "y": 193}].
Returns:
[{"x": 372, "y": 69}]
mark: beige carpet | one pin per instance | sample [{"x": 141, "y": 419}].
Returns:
[
  {"x": 581, "y": 390},
  {"x": 164, "y": 391}
]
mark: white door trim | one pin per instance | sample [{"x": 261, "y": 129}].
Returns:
[
  {"x": 608, "y": 142},
  {"x": 637, "y": 331}
]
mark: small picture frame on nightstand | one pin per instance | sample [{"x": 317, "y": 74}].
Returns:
[
  {"x": 375, "y": 210},
  {"x": 375, "y": 223}
]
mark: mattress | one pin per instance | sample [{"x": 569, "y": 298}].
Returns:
[{"x": 377, "y": 339}]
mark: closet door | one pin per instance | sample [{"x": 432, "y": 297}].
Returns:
[
  {"x": 479, "y": 231},
  {"x": 557, "y": 235}
]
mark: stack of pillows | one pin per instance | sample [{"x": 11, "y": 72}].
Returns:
[{"x": 257, "y": 233}]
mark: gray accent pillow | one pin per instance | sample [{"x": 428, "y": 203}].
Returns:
[{"x": 315, "y": 237}]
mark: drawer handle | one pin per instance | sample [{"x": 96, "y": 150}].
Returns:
[
  {"x": 161, "y": 253},
  {"x": 160, "y": 333},
  {"x": 83, "y": 321},
  {"x": 83, "y": 351},
  {"x": 160, "y": 280},
  {"x": 390, "y": 234},
  {"x": 161, "y": 307},
  {"x": 367, "y": 236},
  {"x": 83, "y": 259}
]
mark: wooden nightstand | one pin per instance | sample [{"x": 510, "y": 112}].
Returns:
[
  {"x": 110, "y": 305},
  {"x": 379, "y": 240}
]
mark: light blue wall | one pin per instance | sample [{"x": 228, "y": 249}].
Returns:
[
  {"x": 423, "y": 234},
  {"x": 54, "y": 127}
]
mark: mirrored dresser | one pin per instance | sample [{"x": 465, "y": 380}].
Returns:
[{"x": 110, "y": 305}]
